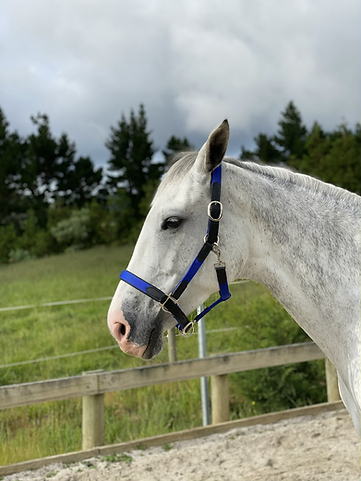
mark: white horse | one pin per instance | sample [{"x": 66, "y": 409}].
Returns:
[{"x": 298, "y": 236}]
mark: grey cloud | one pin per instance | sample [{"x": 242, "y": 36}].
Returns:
[{"x": 191, "y": 63}]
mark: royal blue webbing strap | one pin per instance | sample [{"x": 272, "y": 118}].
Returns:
[
  {"x": 223, "y": 292},
  {"x": 157, "y": 295},
  {"x": 143, "y": 286},
  {"x": 211, "y": 236},
  {"x": 215, "y": 210},
  {"x": 192, "y": 271}
]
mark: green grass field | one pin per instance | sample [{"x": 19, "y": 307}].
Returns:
[{"x": 43, "y": 332}]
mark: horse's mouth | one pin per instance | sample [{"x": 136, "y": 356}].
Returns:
[{"x": 155, "y": 344}]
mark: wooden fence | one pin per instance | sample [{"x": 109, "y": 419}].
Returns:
[{"x": 92, "y": 386}]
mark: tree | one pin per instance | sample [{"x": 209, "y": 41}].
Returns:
[
  {"x": 265, "y": 151},
  {"x": 292, "y": 134},
  {"x": 334, "y": 157},
  {"x": 79, "y": 182},
  {"x": 317, "y": 146},
  {"x": 73, "y": 231},
  {"x": 8, "y": 239},
  {"x": 49, "y": 170},
  {"x": 66, "y": 152},
  {"x": 344, "y": 161},
  {"x": 288, "y": 146},
  {"x": 11, "y": 151},
  {"x": 40, "y": 165},
  {"x": 176, "y": 145},
  {"x": 77, "y": 179},
  {"x": 131, "y": 153},
  {"x": 248, "y": 155}
]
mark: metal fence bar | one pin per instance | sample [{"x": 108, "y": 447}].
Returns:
[
  {"x": 55, "y": 303},
  {"x": 202, "y": 348},
  {"x": 73, "y": 301},
  {"x": 60, "y": 356},
  {"x": 92, "y": 351}
]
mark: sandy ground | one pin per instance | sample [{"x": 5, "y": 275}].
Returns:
[{"x": 310, "y": 448}]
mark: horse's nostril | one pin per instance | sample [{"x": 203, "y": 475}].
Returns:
[{"x": 122, "y": 329}]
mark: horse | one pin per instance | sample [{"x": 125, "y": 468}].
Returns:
[{"x": 297, "y": 235}]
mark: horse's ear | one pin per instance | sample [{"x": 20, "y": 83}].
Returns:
[{"x": 213, "y": 151}]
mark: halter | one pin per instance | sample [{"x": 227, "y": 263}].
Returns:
[{"x": 169, "y": 302}]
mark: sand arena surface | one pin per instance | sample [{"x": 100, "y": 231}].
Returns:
[{"x": 310, "y": 448}]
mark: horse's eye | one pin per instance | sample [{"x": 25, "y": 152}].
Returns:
[{"x": 172, "y": 223}]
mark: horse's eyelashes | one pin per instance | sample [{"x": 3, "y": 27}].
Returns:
[{"x": 172, "y": 223}]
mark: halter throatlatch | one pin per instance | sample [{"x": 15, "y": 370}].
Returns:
[{"x": 169, "y": 302}]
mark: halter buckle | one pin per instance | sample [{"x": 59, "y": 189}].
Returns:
[
  {"x": 215, "y": 219},
  {"x": 169, "y": 297}
]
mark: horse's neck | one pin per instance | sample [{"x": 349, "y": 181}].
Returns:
[{"x": 305, "y": 254}]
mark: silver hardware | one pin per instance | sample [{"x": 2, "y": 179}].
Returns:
[
  {"x": 169, "y": 296},
  {"x": 214, "y": 219},
  {"x": 188, "y": 329},
  {"x": 217, "y": 251},
  {"x": 205, "y": 239}
]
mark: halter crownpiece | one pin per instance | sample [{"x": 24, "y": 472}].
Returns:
[{"x": 169, "y": 302}]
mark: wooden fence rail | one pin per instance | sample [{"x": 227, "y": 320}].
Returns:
[{"x": 93, "y": 385}]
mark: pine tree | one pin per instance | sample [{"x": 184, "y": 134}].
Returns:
[
  {"x": 343, "y": 161},
  {"x": 174, "y": 146},
  {"x": 292, "y": 134},
  {"x": 265, "y": 152},
  {"x": 77, "y": 179},
  {"x": 11, "y": 152},
  {"x": 41, "y": 162},
  {"x": 334, "y": 157},
  {"x": 50, "y": 171},
  {"x": 131, "y": 153},
  {"x": 317, "y": 145},
  {"x": 248, "y": 155}
]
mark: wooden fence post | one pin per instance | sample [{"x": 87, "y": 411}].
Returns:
[
  {"x": 92, "y": 419},
  {"x": 220, "y": 398},
  {"x": 333, "y": 394}
]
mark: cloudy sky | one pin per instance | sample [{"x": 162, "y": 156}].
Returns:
[{"x": 191, "y": 62}]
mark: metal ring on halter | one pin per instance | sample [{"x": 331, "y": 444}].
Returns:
[
  {"x": 214, "y": 219},
  {"x": 205, "y": 239},
  {"x": 169, "y": 296},
  {"x": 188, "y": 330}
]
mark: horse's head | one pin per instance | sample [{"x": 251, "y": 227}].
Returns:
[{"x": 171, "y": 237}]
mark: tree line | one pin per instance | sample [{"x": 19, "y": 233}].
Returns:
[
  {"x": 333, "y": 157},
  {"x": 52, "y": 200}
]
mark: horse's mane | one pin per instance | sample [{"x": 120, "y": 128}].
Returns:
[{"x": 183, "y": 162}]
